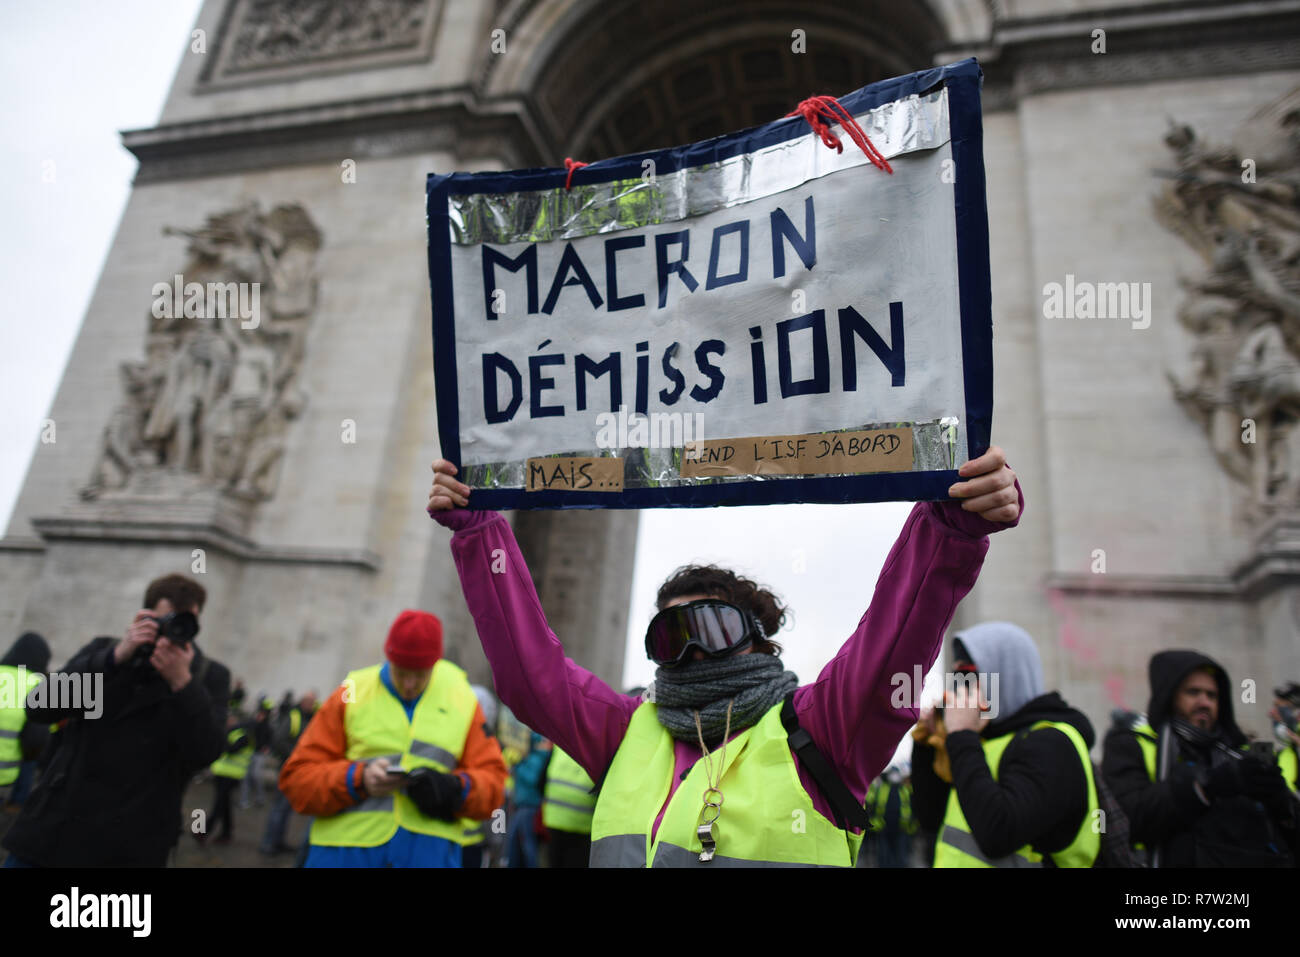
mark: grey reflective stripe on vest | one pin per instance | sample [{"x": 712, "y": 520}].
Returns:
[
  {"x": 582, "y": 809},
  {"x": 431, "y": 752},
  {"x": 966, "y": 843},
  {"x": 372, "y": 804},
  {"x": 621, "y": 850},
  {"x": 10, "y": 764},
  {"x": 628, "y": 850},
  {"x": 14, "y": 734},
  {"x": 670, "y": 855},
  {"x": 569, "y": 784}
]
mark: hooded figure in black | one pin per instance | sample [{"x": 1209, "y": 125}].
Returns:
[
  {"x": 30, "y": 651},
  {"x": 1211, "y": 803},
  {"x": 1040, "y": 797}
]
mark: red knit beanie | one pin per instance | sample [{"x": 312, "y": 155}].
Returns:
[{"x": 414, "y": 640}]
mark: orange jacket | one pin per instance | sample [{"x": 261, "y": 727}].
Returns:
[{"x": 316, "y": 775}]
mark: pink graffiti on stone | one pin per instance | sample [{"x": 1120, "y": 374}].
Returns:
[{"x": 1080, "y": 647}]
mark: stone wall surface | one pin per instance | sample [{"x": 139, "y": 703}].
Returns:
[{"x": 1125, "y": 469}]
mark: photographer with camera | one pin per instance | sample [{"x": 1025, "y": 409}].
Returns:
[
  {"x": 1196, "y": 793},
  {"x": 1003, "y": 774},
  {"x": 112, "y": 793}
]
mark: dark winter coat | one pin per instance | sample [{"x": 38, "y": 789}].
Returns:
[
  {"x": 1168, "y": 815},
  {"x": 1040, "y": 796},
  {"x": 112, "y": 793}
]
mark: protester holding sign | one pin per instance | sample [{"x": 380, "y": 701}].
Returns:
[{"x": 705, "y": 772}]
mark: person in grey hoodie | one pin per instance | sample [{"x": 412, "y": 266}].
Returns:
[{"x": 1020, "y": 789}]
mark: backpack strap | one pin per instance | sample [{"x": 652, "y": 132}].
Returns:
[
  {"x": 844, "y": 806},
  {"x": 197, "y": 674}
]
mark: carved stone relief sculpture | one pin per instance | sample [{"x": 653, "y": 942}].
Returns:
[
  {"x": 212, "y": 401},
  {"x": 273, "y": 32},
  {"x": 264, "y": 41},
  {"x": 1239, "y": 208}
]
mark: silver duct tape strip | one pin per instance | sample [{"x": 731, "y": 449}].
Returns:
[
  {"x": 902, "y": 126},
  {"x": 934, "y": 448}
]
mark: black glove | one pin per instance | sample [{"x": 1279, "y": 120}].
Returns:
[
  {"x": 434, "y": 793},
  {"x": 1248, "y": 776},
  {"x": 1261, "y": 780},
  {"x": 1226, "y": 780}
]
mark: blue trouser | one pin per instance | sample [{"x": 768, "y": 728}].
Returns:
[
  {"x": 521, "y": 838},
  {"x": 404, "y": 849},
  {"x": 251, "y": 786},
  {"x": 277, "y": 822},
  {"x": 894, "y": 849}
]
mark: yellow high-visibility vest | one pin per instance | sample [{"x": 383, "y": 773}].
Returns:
[
  {"x": 15, "y": 683},
  {"x": 1286, "y": 760},
  {"x": 567, "y": 802},
  {"x": 235, "y": 765},
  {"x": 376, "y": 725},
  {"x": 767, "y": 818},
  {"x": 1147, "y": 740},
  {"x": 956, "y": 845},
  {"x": 878, "y": 798}
]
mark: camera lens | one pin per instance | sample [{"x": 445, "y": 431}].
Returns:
[{"x": 179, "y": 627}]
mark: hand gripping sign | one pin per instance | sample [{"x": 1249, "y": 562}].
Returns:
[{"x": 747, "y": 320}]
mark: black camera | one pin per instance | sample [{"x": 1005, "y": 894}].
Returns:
[{"x": 178, "y": 627}]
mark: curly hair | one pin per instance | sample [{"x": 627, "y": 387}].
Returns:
[{"x": 730, "y": 587}]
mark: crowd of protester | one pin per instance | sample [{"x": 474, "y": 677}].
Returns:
[{"x": 724, "y": 760}]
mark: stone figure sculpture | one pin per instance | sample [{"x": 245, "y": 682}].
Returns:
[
  {"x": 1239, "y": 208},
  {"x": 217, "y": 390}
]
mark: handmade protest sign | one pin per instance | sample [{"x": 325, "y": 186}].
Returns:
[{"x": 750, "y": 319}]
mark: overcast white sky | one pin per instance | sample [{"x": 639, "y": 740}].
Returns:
[
  {"x": 75, "y": 72},
  {"x": 72, "y": 73}
]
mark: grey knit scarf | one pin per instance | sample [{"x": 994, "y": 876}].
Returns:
[{"x": 755, "y": 682}]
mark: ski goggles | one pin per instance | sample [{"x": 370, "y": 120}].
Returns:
[{"x": 715, "y": 627}]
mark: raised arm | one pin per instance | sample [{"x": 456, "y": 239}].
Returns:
[
  {"x": 545, "y": 689},
  {"x": 864, "y": 700}
]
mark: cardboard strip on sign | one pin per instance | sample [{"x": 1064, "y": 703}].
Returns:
[
  {"x": 831, "y": 453},
  {"x": 575, "y": 474}
]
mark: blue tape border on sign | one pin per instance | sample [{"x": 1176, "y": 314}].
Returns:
[{"x": 963, "y": 80}]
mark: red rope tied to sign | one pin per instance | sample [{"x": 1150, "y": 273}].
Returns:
[
  {"x": 571, "y": 165},
  {"x": 819, "y": 110}
]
